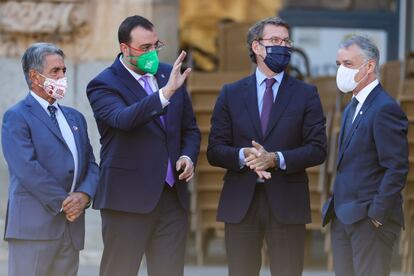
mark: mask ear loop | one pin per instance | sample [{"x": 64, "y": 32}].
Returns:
[
  {"x": 265, "y": 49},
  {"x": 130, "y": 57},
  {"x": 41, "y": 85},
  {"x": 359, "y": 68}
]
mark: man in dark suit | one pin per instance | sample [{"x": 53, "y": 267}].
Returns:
[
  {"x": 53, "y": 174},
  {"x": 150, "y": 142},
  {"x": 372, "y": 166},
  {"x": 266, "y": 129}
]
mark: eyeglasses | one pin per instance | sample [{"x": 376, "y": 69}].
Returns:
[
  {"x": 274, "y": 40},
  {"x": 149, "y": 47}
]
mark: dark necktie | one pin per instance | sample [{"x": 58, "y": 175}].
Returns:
[
  {"x": 267, "y": 104},
  {"x": 169, "y": 178},
  {"x": 350, "y": 116},
  {"x": 52, "y": 110}
]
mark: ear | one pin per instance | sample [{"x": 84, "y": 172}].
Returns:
[
  {"x": 371, "y": 66},
  {"x": 34, "y": 77},
  {"x": 124, "y": 49},
  {"x": 256, "y": 47}
]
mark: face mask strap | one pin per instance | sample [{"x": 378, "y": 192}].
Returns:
[{"x": 359, "y": 68}]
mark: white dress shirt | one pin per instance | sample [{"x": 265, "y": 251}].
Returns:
[
  {"x": 65, "y": 130},
  {"x": 363, "y": 95}
]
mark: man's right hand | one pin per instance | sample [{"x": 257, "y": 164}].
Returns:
[
  {"x": 176, "y": 78},
  {"x": 74, "y": 205},
  {"x": 253, "y": 153}
]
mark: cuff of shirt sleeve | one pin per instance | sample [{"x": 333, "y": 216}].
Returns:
[
  {"x": 242, "y": 163},
  {"x": 164, "y": 101},
  {"x": 282, "y": 163},
  {"x": 187, "y": 157}
]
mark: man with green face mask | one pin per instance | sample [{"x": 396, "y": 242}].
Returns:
[{"x": 150, "y": 143}]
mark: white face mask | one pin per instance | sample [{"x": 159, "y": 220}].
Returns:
[
  {"x": 55, "y": 88},
  {"x": 345, "y": 78}
]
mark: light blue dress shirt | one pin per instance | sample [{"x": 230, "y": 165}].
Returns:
[
  {"x": 260, "y": 88},
  {"x": 66, "y": 133}
]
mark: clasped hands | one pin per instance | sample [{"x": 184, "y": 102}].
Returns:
[
  {"x": 259, "y": 160},
  {"x": 74, "y": 205}
]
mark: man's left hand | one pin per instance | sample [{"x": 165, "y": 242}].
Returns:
[
  {"x": 376, "y": 223},
  {"x": 74, "y": 205},
  {"x": 261, "y": 161},
  {"x": 185, "y": 164}
]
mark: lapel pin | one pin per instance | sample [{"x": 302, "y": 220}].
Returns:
[
  {"x": 163, "y": 76},
  {"x": 360, "y": 113},
  {"x": 75, "y": 128}
]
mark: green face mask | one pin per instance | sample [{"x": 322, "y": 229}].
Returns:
[{"x": 147, "y": 62}]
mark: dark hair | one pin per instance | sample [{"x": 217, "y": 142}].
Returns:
[
  {"x": 124, "y": 31},
  {"x": 256, "y": 32},
  {"x": 34, "y": 58}
]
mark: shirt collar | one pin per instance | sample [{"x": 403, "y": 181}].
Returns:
[
  {"x": 260, "y": 77},
  {"x": 134, "y": 74},
  {"x": 363, "y": 94},
  {"x": 43, "y": 102}
]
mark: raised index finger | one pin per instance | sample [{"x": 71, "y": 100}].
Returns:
[{"x": 180, "y": 59}]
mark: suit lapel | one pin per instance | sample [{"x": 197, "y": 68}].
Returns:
[
  {"x": 341, "y": 132},
  {"x": 280, "y": 104},
  {"x": 250, "y": 100},
  {"x": 74, "y": 127},
  {"x": 36, "y": 109},
  {"x": 161, "y": 77},
  {"x": 135, "y": 89},
  {"x": 365, "y": 107}
]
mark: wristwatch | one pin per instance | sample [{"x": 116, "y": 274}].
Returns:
[{"x": 277, "y": 161}]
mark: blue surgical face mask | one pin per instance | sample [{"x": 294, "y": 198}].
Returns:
[{"x": 277, "y": 58}]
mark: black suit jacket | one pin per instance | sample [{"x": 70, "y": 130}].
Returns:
[{"x": 296, "y": 128}]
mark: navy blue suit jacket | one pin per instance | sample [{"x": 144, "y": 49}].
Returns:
[
  {"x": 41, "y": 172},
  {"x": 296, "y": 128},
  {"x": 135, "y": 145},
  {"x": 372, "y": 163}
]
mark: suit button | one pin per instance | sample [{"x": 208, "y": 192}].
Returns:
[{"x": 70, "y": 171}]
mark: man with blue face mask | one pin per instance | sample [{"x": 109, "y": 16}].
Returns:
[
  {"x": 266, "y": 129},
  {"x": 150, "y": 143},
  {"x": 365, "y": 209}
]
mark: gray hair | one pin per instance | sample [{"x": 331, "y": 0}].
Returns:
[
  {"x": 368, "y": 48},
  {"x": 256, "y": 32},
  {"x": 34, "y": 58}
]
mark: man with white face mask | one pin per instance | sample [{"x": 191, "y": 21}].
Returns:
[
  {"x": 52, "y": 169},
  {"x": 372, "y": 165}
]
